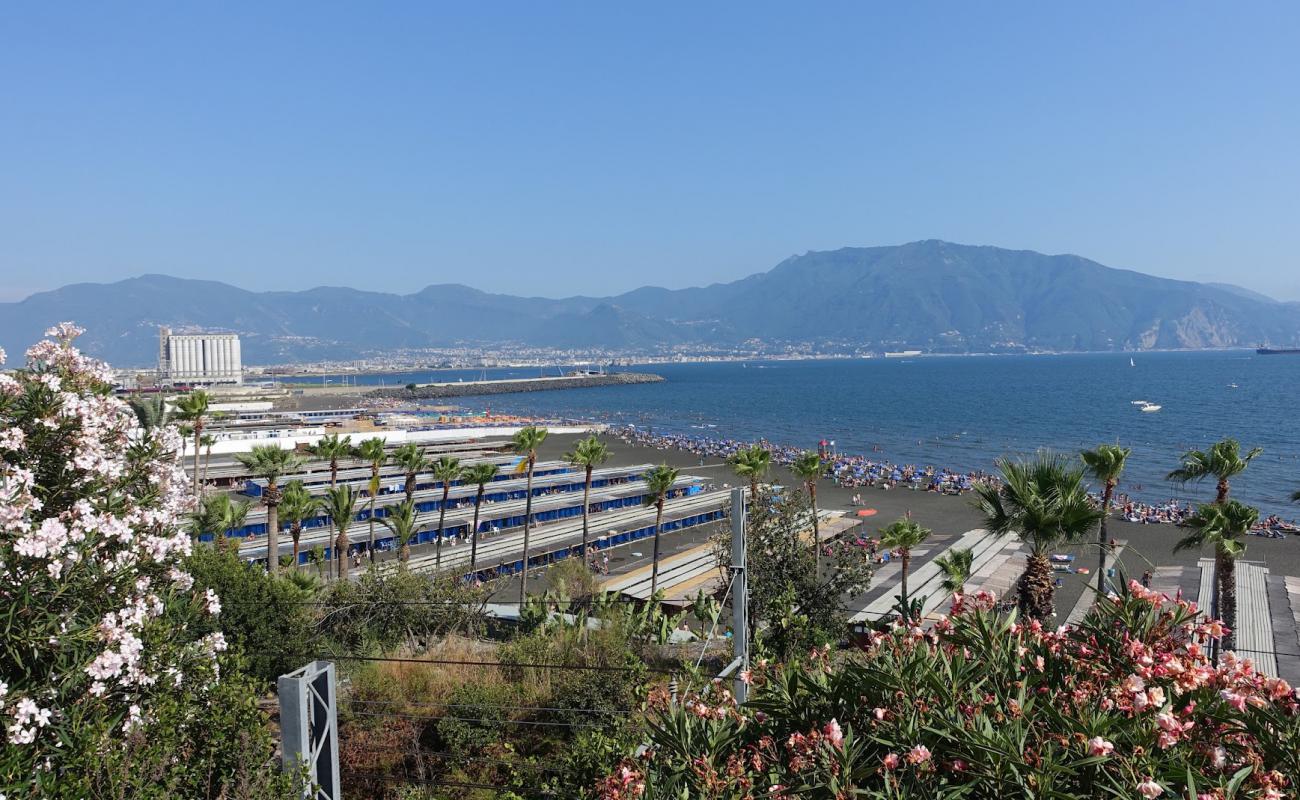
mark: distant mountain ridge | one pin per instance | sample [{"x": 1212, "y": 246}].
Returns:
[{"x": 930, "y": 295}]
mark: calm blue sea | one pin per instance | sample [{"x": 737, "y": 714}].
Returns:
[{"x": 964, "y": 412}]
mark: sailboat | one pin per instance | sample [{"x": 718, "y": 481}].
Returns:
[{"x": 1130, "y": 362}]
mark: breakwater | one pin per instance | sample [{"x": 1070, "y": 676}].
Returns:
[{"x": 441, "y": 391}]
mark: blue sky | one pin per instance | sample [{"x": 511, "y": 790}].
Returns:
[{"x": 561, "y": 148}]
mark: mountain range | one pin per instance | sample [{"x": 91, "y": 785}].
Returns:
[{"x": 930, "y": 295}]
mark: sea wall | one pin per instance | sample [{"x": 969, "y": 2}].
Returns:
[{"x": 438, "y": 391}]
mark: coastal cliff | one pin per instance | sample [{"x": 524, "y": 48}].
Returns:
[{"x": 439, "y": 391}]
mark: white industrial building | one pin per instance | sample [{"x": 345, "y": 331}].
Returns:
[{"x": 199, "y": 358}]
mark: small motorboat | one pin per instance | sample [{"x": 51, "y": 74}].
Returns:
[{"x": 1149, "y": 408}]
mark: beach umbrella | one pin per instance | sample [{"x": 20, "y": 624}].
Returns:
[{"x": 866, "y": 512}]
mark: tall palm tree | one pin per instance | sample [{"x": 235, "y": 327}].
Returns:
[
  {"x": 903, "y": 535},
  {"x": 753, "y": 463},
  {"x": 1046, "y": 504},
  {"x": 296, "y": 505},
  {"x": 525, "y": 443},
  {"x": 269, "y": 462},
  {"x": 401, "y": 521},
  {"x": 587, "y": 453},
  {"x": 217, "y": 514},
  {"x": 480, "y": 475},
  {"x": 659, "y": 481},
  {"x": 1223, "y": 461},
  {"x": 1105, "y": 464},
  {"x": 446, "y": 470},
  {"x": 340, "y": 505},
  {"x": 150, "y": 411},
  {"x": 192, "y": 409},
  {"x": 332, "y": 448},
  {"x": 956, "y": 567},
  {"x": 372, "y": 450},
  {"x": 207, "y": 440},
  {"x": 1223, "y": 526},
  {"x": 807, "y": 467},
  {"x": 412, "y": 460}
]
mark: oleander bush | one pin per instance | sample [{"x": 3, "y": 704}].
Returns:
[
  {"x": 110, "y": 684},
  {"x": 1125, "y": 705}
]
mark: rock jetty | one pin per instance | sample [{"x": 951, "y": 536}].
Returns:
[{"x": 440, "y": 391}]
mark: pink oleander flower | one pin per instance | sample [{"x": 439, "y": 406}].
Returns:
[
  {"x": 1150, "y": 789},
  {"x": 891, "y": 761},
  {"x": 1098, "y": 746},
  {"x": 834, "y": 734},
  {"x": 918, "y": 755},
  {"x": 1134, "y": 684}
]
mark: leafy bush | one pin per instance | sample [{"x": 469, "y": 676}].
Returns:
[
  {"x": 108, "y": 684},
  {"x": 1124, "y": 705}
]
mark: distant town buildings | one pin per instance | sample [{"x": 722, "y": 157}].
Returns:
[{"x": 199, "y": 358}]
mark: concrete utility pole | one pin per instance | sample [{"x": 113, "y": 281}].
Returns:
[
  {"x": 739, "y": 594},
  {"x": 309, "y": 728}
]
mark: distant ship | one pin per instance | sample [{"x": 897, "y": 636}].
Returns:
[
  {"x": 902, "y": 354},
  {"x": 1268, "y": 351}
]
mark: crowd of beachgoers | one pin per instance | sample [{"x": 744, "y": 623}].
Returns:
[{"x": 857, "y": 471}]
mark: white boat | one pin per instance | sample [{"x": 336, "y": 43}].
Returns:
[
  {"x": 902, "y": 353},
  {"x": 1130, "y": 362},
  {"x": 1139, "y": 402},
  {"x": 1149, "y": 408}
]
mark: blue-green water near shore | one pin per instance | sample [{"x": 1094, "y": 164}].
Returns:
[{"x": 964, "y": 412}]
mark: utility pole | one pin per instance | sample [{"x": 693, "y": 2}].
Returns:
[
  {"x": 739, "y": 594},
  {"x": 309, "y": 728}
]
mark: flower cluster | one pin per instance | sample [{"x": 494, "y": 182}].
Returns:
[
  {"x": 91, "y": 544},
  {"x": 1127, "y": 703}
]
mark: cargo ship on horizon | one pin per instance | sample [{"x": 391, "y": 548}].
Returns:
[{"x": 1270, "y": 351}]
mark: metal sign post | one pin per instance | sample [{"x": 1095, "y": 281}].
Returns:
[
  {"x": 739, "y": 593},
  {"x": 309, "y": 728}
]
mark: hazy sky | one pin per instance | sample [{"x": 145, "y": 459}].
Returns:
[{"x": 559, "y": 148}]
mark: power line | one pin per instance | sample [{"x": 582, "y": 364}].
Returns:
[
  {"x": 484, "y": 720},
  {"x": 459, "y": 662},
  {"x": 491, "y": 705}
]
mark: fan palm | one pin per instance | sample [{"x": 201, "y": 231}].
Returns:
[
  {"x": 807, "y": 467},
  {"x": 207, "y": 440},
  {"x": 446, "y": 471},
  {"x": 956, "y": 567},
  {"x": 193, "y": 410},
  {"x": 150, "y": 411},
  {"x": 525, "y": 443},
  {"x": 412, "y": 460},
  {"x": 480, "y": 475},
  {"x": 1045, "y": 503},
  {"x": 372, "y": 451},
  {"x": 1105, "y": 464},
  {"x": 401, "y": 521},
  {"x": 269, "y": 462},
  {"x": 217, "y": 514},
  {"x": 903, "y": 535},
  {"x": 659, "y": 482},
  {"x": 1223, "y": 526},
  {"x": 1223, "y": 461},
  {"x": 753, "y": 463},
  {"x": 588, "y": 453},
  {"x": 297, "y": 505},
  {"x": 340, "y": 505},
  {"x": 332, "y": 448}
]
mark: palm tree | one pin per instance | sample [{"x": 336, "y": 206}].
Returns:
[
  {"x": 587, "y": 453},
  {"x": 445, "y": 470},
  {"x": 753, "y": 463},
  {"x": 340, "y": 506},
  {"x": 482, "y": 475},
  {"x": 902, "y": 536},
  {"x": 525, "y": 443},
  {"x": 401, "y": 521},
  {"x": 270, "y": 461},
  {"x": 1223, "y": 461},
  {"x": 332, "y": 448},
  {"x": 192, "y": 409},
  {"x": 411, "y": 459},
  {"x": 297, "y": 505},
  {"x": 372, "y": 450},
  {"x": 807, "y": 467},
  {"x": 659, "y": 481},
  {"x": 1105, "y": 464},
  {"x": 1224, "y": 526},
  {"x": 207, "y": 440},
  {"x": 1046, "y": 504},
  {"x": 217, "y": 514},
  {"x": 956, "y": 566},
  {"x": 150, "y": 411}
]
